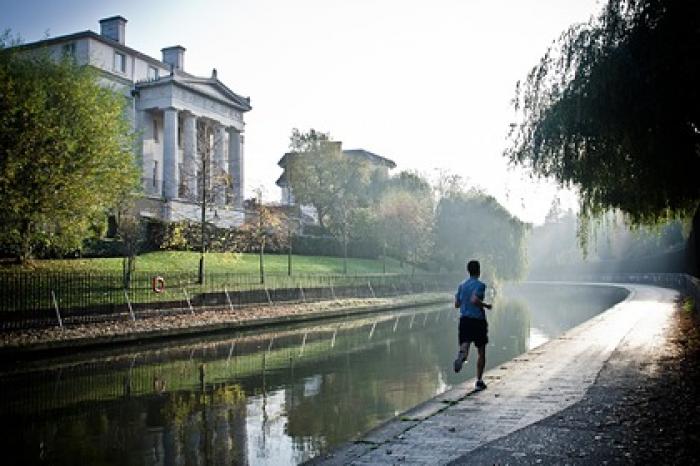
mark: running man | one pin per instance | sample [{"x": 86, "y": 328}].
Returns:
[{"x": 469, "y": 299}]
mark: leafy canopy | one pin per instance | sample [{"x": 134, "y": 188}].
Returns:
[
  {"x": 405, "y": 214},
  {"x": 336, "y": 185},
  {"x": 65, "y": 151},
  {"x": 473, "y": 225},
  {"x": 613, "y": 108},
  {"x": 320, "y": 175}
]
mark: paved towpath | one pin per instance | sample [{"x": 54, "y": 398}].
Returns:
[{"x": 460, "y": 426}]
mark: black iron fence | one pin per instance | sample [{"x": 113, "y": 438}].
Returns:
[{"x": 35, "y": 299}]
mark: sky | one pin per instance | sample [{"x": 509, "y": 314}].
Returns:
[{"x": 427, "y": 84}]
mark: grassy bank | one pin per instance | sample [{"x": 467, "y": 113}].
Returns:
[
  {"x": 162, "y": 262},
  {"x": 98, "y": 284}
]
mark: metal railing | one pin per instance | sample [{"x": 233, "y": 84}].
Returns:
[
  {"x": 36, "y": 299},
  {"x": 687, "y": 284}
]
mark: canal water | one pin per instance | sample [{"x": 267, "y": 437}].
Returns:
[{"x": 276, "y": 396}]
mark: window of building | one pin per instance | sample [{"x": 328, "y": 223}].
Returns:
[
  {"x": 155, "y": 172},
  {"x": 119, "y": 62},
  {"x": 69, "y": 50},
  {"x": 152, "y": 73},
  {"x": 155, "y": 130}
]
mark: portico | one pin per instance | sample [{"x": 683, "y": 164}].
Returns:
[{"x": 192, "y": 145}]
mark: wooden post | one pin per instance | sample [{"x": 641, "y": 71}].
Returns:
[
  {"x": 58, "y": 313},
  {"x": 131, "y": 309},
  {"x": 269, "y": 299},
  {"x": 189, "y": 303},
  {"x": 301, "y": 290},
  {"x": 228, "y": 298}
]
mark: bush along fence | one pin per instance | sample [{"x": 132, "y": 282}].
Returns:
[{"x": 38, "y": 299}]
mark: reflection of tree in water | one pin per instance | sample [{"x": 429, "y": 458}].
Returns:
[
  {"x": 206, "y": 426},
  {"x": 356, "y": 391}
]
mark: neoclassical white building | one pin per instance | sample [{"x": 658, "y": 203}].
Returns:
[{"x": 190, "y": 129}]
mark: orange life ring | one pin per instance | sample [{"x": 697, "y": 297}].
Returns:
[{"x": 158, "y": 284}]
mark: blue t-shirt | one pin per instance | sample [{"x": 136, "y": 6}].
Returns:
[{"x": 468, "y": 288}]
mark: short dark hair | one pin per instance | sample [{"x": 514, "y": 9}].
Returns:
[{"x": 474, "y": 268}]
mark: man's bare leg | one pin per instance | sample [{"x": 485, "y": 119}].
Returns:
[
  {"x": 462, "y": 356},
  {"x": 480, "y": 364},
  {"x": 464, "y": 351}
]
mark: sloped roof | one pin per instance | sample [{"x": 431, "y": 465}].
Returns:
[
  {"x": 370, "y": 156},
  {"x": 282, "y": 180},
  {"x": 209, "y": 87},
  {"x": 365, "y": 154}
]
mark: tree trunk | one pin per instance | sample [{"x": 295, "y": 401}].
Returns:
[
  {"x": 25, "y": 246},
  {"x": 413, "y": 262},
  {"x": 128, "y": 268},
  {"x": 384, "y": 258},
  {"x": 345, "y": 256},
  {"x": 262, "y": 262},
  {"x": 289, "y": 246},
  {"x": 693, "y": 246}
]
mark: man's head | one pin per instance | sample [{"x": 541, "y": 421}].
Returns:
[{"x": 474, "y": 268}]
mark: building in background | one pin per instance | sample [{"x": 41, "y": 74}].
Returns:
[
  {"x": 379, "y": 163},
  {"x": 189, "y": 128}
]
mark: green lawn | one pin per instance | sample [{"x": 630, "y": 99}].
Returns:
[
  {"x": 162, "y": 262},
  {"x": 86, "y": 283}
]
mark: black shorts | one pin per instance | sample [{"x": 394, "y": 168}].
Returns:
[{"x": 473, "y": 330}]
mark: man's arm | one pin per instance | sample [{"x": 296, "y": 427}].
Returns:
[
  {"x": 478, "y": 300},
  {"x": 458, "y": 303}
]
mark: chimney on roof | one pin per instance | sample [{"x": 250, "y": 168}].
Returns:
[
  {"x": 175, "y": 57},
  {"x": 114, "y": 28}
]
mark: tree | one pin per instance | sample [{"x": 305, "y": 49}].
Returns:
[
  {"x": 474, "y": 225},
  {"x": 406, "y": 219},
  {"x": 321, "y": 176},
  {"x": 212, "y": 181},
  {"x": 269, "y": 228},
  {"x": 410, "y": 181},
  {"x": 311, "y": 168},
  {"x": 65, "y": 152},
  {"x": 131, "y": 233},
  {"x": 614, "y": 109}
]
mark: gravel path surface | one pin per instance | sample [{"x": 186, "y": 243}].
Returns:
[{"x": 201, "y": 320}]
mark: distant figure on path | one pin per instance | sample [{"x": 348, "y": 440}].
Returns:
[{"x": 469, "y": 299}]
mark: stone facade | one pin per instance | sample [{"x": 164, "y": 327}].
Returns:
[{"x": 189, "y": 129}]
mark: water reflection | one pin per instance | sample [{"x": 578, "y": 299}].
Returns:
[{"x": 265, "y": 397}]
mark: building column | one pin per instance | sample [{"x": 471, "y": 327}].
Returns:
[
  {"x": 235, "y": 166},
  {"x": 145, "y": 164},
  {"x": 171, "y": 175},
  {"x": 219, "y": 167},
  {"x": 189, "y": 163}
]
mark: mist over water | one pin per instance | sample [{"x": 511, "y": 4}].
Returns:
[
  {"x": 557, "y": 250},
  {"x": 268, "y": 397}
]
